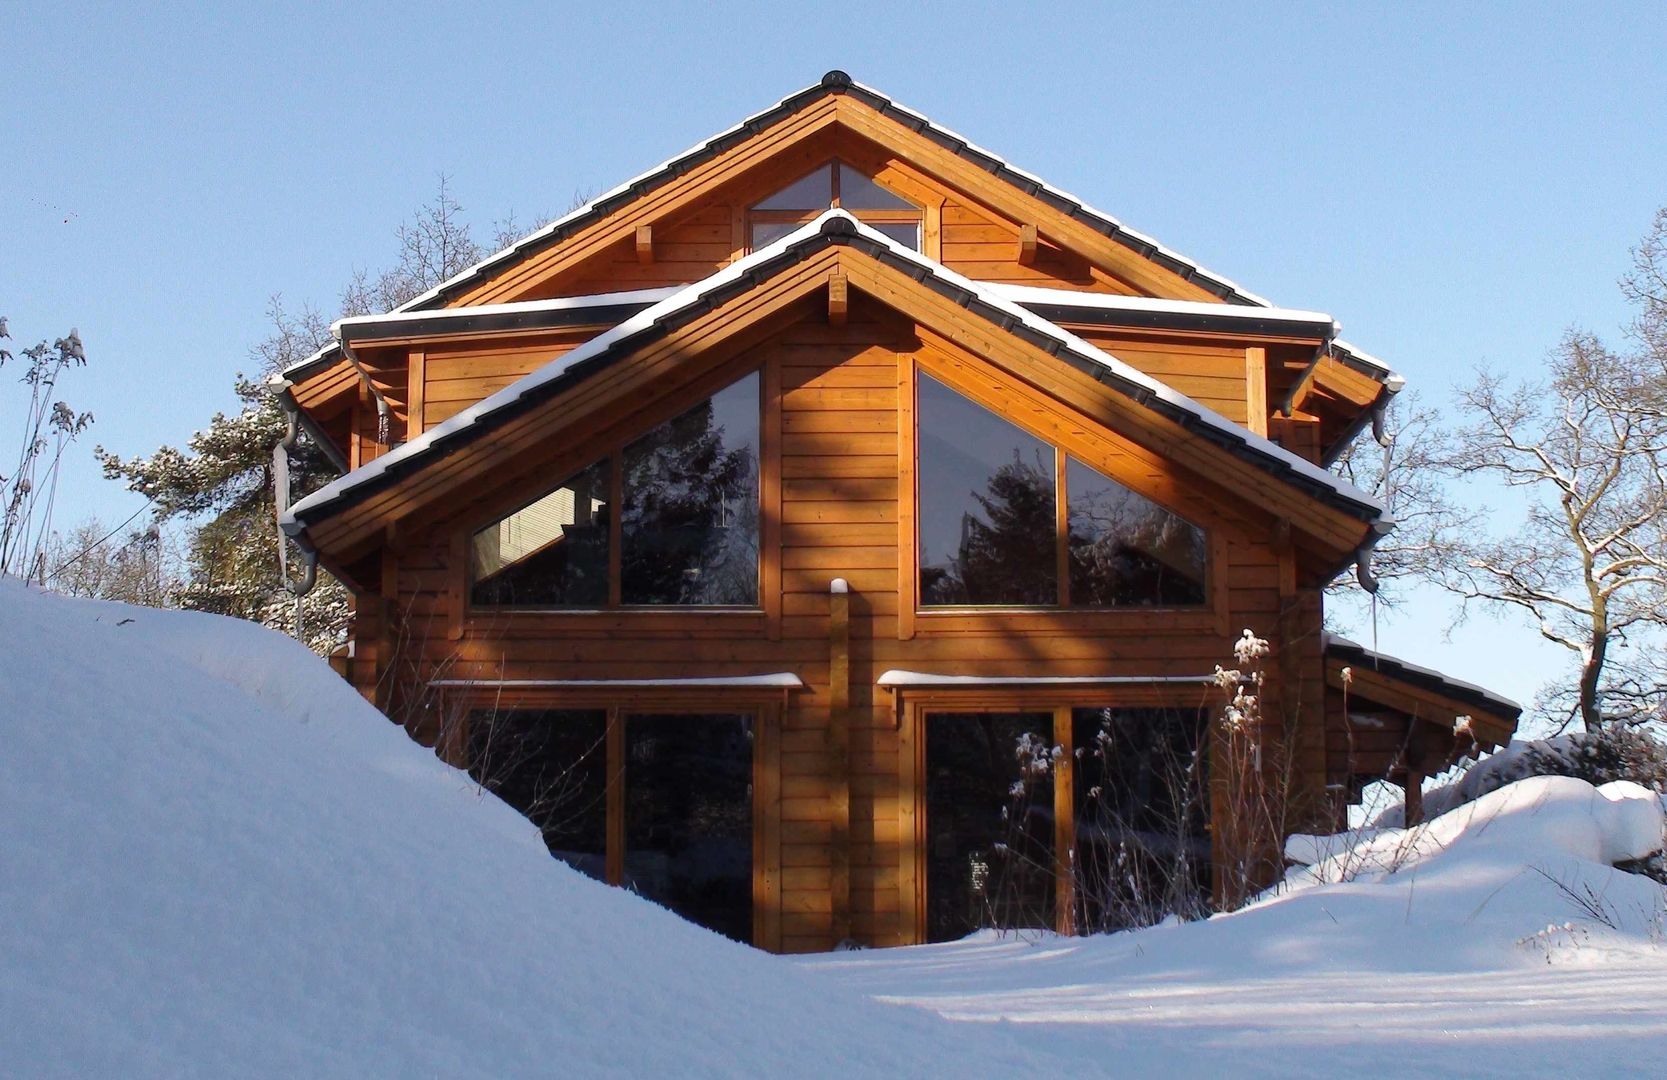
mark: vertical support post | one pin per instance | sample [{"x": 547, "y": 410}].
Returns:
[
  {"x": 839, "y": 756},
  {"x": 417, "y": 377},
  {"x": 911, "y": 918},
  {"x": 1256, "y": 389},
  {"x": 1414, "y": 789},
  {"x": 908, "y": 547},
  {"x": 1064, "y": 822}
]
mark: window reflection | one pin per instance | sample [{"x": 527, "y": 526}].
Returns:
[
  {"x": 551, "y": 765},
  {"x": 689, "y": 519},
  {"x": 1125, "y": 549},
  {"x": 986, "y": 504},
  {"x": 553, "y": 552}
]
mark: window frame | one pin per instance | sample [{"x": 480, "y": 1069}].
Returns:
[
  {"x": 470, "y": 613},
  {"x": 915, "y": 217}
]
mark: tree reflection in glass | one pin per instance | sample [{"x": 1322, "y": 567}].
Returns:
[
  {"x": 689, "y": 519},
  {"x": 1125, "y": 549},
  {"x": 986, "y": 504}
]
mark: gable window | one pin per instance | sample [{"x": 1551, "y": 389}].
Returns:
[
  {"x": 991, "y": 534},
  {"x": 683, "y": 511},
  {"x": 833, "y": 185},
  {"x": 689, "y": 524},
  {"x": 553, "y": 552}
]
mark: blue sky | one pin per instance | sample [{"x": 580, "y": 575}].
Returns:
[{"x": 1455, "y": 183}]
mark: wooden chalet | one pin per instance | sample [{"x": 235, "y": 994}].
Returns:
[{"x": 761, "y": 528}]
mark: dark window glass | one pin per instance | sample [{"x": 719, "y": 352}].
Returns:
[
  {"x": 688, "y": 817},
  {"x": 765, "y": 233},
  {"x": 1126, "y": 549},
  {"x": 553, "y": 552},
  {"x": 858, "y": 192},
  {"x": 689, "y": 523},
  {"x": 1142, "y": 810},
  {"x": 813, "y": 192},
  {"x": 906, "y": 233},
  {"x": 989, "y": 823},
  {"x": 986, "y": 505},
  {"x": 552, "y": 766}
]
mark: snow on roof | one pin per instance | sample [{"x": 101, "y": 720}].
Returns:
[
  {"x": 520, "y": 307},
  {"x": 1037, "y": 296},
  {"x": 1343, "y": 647},
  {"x": 783, "y": 680},
  {"x": 897, "y": 678},
  {"x": 1029, "y": 295},
  {"x": 830, "y": 222}
]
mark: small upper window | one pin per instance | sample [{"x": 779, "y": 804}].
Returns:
[{"x": 835, "y": 184}]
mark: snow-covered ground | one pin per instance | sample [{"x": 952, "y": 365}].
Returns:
[{"x": 216, "y": 860}]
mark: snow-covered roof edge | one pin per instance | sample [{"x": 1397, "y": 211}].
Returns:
[
  {"x": 897, "y": 678},
  {"x": 642, "y": 297},
  {"x": 832, "y": 225},
  {"x": 1341, "y": 647},
  {"x": 775, "y": 680}
]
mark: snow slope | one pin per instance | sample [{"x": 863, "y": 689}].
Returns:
[
  {"x": 216, "y": 860},
  {"x": 1454, "y": 949}
]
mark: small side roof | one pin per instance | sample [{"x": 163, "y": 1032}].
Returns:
[
  {"x": 1341, "y": 648},
  {"x": 837, "y": 226}
]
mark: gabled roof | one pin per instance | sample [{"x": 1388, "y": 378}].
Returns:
[
  {"x": 833, "y": 83},
  {"x": 832, "y": 227}
]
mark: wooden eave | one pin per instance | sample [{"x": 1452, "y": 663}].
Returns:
[
  {"x": 344, "y": 526},
  {"x": 1420, "y": 695}
]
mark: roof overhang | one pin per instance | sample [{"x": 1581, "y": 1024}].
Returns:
[
  {"x": 1419, "y": 692},
  {"x": 834, "y": 228}
]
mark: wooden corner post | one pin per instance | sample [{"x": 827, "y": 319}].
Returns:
[{"x": 839, "y": 757}]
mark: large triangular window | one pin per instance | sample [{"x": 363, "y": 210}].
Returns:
[
  {"x": 835, "y": 184},
  {"x": 991, "y": 533}
]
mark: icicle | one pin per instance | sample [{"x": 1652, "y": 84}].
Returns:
[{"x": 381, "y": 428}]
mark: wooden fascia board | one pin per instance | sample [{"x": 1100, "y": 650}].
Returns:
[
  {"x": 664, "y": 201},
  {"x": 1415, "y": 702},
  {"x": 511, "y": 440},
  {"x": 325, "y": 387},
  {"x": 567, "y": 332},
  {"x": 1093, "y": 246},
  {"x": 1336, "y": 531}
]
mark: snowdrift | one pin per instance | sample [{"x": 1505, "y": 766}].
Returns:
[{"x": 216, "y": 860}]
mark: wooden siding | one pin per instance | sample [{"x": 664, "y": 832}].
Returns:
[{"x": 837, "y": 819}]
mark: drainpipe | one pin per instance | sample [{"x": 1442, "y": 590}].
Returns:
[
  {"x": 1363, "y": 562},
  {"x": 384, "y": 416},
  {"x": 280, "y": 496}
]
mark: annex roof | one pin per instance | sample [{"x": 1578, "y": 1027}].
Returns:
[
  {"x": 1341, "y": 648},
  {"x": 835, "y": 227}
]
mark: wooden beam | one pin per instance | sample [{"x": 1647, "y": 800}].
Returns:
[
  {"x": 614, "y": 859},
  {"x": 1256, "y": 388},
  {"x": 645, "y": 244},
  {"x": 839, "y": 758},
  {"x": 1064, "y": 823},
  {"x": 417, "y": 382},
  {"x": 1027, "y": 245},
  {"x": 839, "y": 302}
]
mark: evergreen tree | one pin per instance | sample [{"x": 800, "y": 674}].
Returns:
[{"x": 1007, "y": 557}]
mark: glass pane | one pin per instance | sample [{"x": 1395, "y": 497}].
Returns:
[
  {"x": 552, "y": 766},
  {"x": 1142, "y": 813},
  {"x": 1126, "y": 549},
  {"x": 813, "y": 192},
  {"x": 986, "y": 499},
  {"x": 688, "y": 817},
  {"x": 989, "y": 822},
  {"x": 765, "y": 233},
  {"x": 858, "y": 192},
  {"x": 689, "y": 524},
  {"x": 906, "y": 233},
  {"x": 550, "y": 553}
]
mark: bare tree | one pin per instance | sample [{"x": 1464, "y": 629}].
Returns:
[
  {"x": 1587, "y": 446},
  {"x": 98, "y": 562},
  {"x": 1403, "y": 472}
]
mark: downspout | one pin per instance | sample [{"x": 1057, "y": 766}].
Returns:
[
  {"x": 384, "y": 416},
  {"x": 1363, "y": 561},
  {"x": 280, "y": 498}
]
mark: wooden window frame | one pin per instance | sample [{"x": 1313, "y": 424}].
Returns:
[
  {"x": 915, "y": 704},
  {"x": 471, "y": 614},
  {"x": 1213, "y": 615},
  {"x": 763, "y": 705},
  {"x": 916, "y": 217}
]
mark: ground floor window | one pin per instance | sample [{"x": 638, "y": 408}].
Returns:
[
  {"x": 1071, "y": 817},
  {"x": 660, "y": 803},
  {"x": 989, "y": 822}
]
